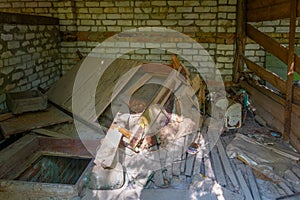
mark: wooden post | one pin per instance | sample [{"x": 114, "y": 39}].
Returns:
[
  {"x": 241, "y": 40},
  {"x": 290, "y": 75}
]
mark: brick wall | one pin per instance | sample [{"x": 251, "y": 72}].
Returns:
[
  {"x": 29, "y": 55},
  {"x": 85, "y": 23}
]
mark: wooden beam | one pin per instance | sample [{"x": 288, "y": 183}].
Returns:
[
  {"x": 269, "y": 12},
  {"x": 272, "y": 46},
  {"x": 267, "y": 43},
  {"x": 290, "y": 71},
  {"x": 266, "y": 75},
  {"x": 261, "y": 4},
  {"x": 240, "y": 40}
]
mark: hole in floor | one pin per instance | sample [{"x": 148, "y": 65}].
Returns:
[{"x": 55, "y": 169}]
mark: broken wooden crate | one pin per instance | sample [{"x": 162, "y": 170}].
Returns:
[
  {"x": 20, "y": 102},
  {"x": 36, "y": 167}
]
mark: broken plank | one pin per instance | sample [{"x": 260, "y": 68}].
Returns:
[
  {"x": 46, "y": 132},
  {"x": 253, "y": 184},
  {"x": 244, "y": 186},
  {"x": 227, "y": 166},
  {"x": 33, "y": 120}
]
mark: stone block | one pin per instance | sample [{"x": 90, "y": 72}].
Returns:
[
  {"x": 14, "y": 60},
  {"x": 13, "y": 44},
  {"x": 6, "y": 37}
]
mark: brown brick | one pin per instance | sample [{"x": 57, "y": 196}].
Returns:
[
  {"x": 5, "y": 5},
  {"x": 92, "y": 4},
  {"x": 111, "y": 10},
  {"x": 18, "y": 4},
  {"x": 44, "y": 4}
]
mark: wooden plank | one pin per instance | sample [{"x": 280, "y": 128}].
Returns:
[
  {"x": 190, "y": 159},
  {"x": 253, "y": 184},
  {"x": 268, "y": 43},
  {"x": 61, "y": 91},
  {"x": 269, "y": 13},
  {"x": 272, "y": 46},
  {"x": 240, "y": 40},
  {"x": 244, "y": 185},
  {"x": 227, "y": 166},
  {"x": 107, "y": 152},
  {"x": 260, "y": 4},
  {"x": 106, "y": 86},
  {"x": 6, "y": 116},
  {"x": 217, "y": 166},
  {"x": 270, "y": 77},
  {"x": 46, "y": 132},
  {"x": 196, "y": 83},
  {"x": 30, "y": 121},
  {"x": 286, "y": 189},
  {"x": 270, "y": 109},
  {"x": 177, "y": 156},
  {"x": 290, "y": 71}
]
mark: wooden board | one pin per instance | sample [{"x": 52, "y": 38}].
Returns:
[
  {"x": 62, "y": 91},
  {"x": 244, "y": 186},
  {"x": 107, "y": 152},
  {"x": 227, "y": 166},
  {"x": 266, "y": 75},
  {"x": 29, "y": 121},
  {"x": 268, "y": 11},
  {"x": 253, "y": 184},
  {"x": 46, "y": 132}
]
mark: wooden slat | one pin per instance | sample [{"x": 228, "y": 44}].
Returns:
[
  {"x": 46, "y": 132},
  {"x": 270, "y": 77},
  {"x": 227, "y": 166},
  {"x": 267, "y": 43},
  {"x": 29, "y": 121},
  {"x": 244, "y": 186},
  {"x": 253, "y": 184},
  {"x": 290, "y": 71},
  {"x": 272, "y": 46}
]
